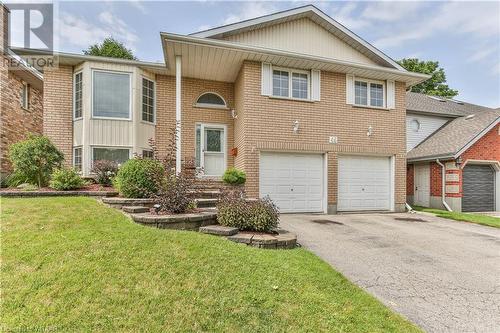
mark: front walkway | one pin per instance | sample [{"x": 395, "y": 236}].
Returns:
[{"x": 443, "y": 275}]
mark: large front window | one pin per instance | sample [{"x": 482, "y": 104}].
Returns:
[
  {"x": 118, "y": 155},
  {"x": 290, "y": 84},
  {"x": 368, "y": 93},
  {"x": 111, "y": 95}
]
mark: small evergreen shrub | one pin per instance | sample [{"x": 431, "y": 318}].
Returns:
[
  {"x": 66, "y": 179},
  {"x": 139, "y": 178},
  {"x": 104, "y": 171},
  {"x": 34, "y": 160},
  {"x": 234, "y": 176},
  {"x": 233, "y": 210}
]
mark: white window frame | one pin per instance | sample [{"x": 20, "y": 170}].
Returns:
[
  {"x": 130, "y": 92},
  {"x": 81, "y": 156},
  {"x": 110, "y": 147},
  {"x": 154, "y": 101},
  {"x": 211, "y": 106},
  {"x": 290, "y": 89},
  {"x": 25, "y": 98},
  {"x": 74, "y": 95},
  {"x": 368, "y": 97}
]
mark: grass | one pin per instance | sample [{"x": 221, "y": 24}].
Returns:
[
  {"x": 466, "y": 217},
  {"x": 72, "y": 264}
]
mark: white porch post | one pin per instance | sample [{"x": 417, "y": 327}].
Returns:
[{"x": 178, "y": 96}]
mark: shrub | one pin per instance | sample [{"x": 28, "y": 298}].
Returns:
[
  {"x": 104, "y": 171},
  {"x": 34, "y": 159},
  {"x": 66, "y": 179},
  {"x": 234, "y": 176},
  {"x": 175, "y": 195},
  {"x": 233, "y": 210},
  {"x": 139, "y": 178}
]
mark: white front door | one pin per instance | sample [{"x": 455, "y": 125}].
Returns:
[
  {"x": 212, "y": 148},
  {"x": 422, "y": 185},
  {"x": 293, "y": 181},
  {"x": 364, "y": 183}
]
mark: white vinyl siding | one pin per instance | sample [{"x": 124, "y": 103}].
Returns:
[
  {"x": 427, "y": 126},
  {"x": 148, "y": 100},
  {"x": 111, "y": 95},
  {"x": 77, "y": 96}
]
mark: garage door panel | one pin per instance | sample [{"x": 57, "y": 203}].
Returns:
[
  {"x": 293, "y": 181},
  {"x": 364, "y": 183},
  {"x": 478, "y": 188}
]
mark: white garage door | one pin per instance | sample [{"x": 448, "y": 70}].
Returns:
[
  {"x": 364, "y": 183},
  {"x": 293, "y": 181}
]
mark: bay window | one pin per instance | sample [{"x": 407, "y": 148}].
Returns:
[{"x": 111, "y": 95}]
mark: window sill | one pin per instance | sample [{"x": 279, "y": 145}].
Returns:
[
  {"x": 110, "y": 118},
  {"x": 148, "y": 123},
  {"x": 25, "y": 108},
  {"x": 208, "y": 106},
  {"x": 76, "y": 119},
  {"x": 292, "y": 99},
  {"x": 369, "y": 107}
]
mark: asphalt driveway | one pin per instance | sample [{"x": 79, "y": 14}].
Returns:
[{"x": 442, "y": 275}]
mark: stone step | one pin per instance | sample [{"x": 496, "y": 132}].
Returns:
[
  {"x": 203, "y": 202},
  {"x": 219, "y": 230},
  {"x": 135, "y": 209},
  {"x": 206, "y": 194}
]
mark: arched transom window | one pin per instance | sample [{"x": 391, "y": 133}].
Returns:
[{"x": 211, "y": 100}]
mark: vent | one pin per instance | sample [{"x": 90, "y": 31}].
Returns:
[
  {"x": 437, "y": 98},
  {"x": 470, "y": 116},
  {"x": 458, "y": 102}
]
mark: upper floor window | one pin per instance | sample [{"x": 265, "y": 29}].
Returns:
[
  {"x": 111, "y": 95},
  {"x": 369, "y": 93},
  {"x": 297, "y": 80},
  {"x": 77, "y": 96},
  {"x": 25, "y": 93},
  {"x": 148, "y": 100},
  {"x": 211, "y": 100}
]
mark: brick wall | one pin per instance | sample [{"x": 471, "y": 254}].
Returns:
[
  {"x": 486, "y": 148},
  {"x": 410, "y": 179},
  {"x": 273, "y": 120},
  {"x": 58, "y": 109},
  {"x": 436, "y": 182},
  {"x": 17, "y": 122}
]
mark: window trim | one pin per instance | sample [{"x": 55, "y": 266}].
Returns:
[
  {"x": 154, "y": 101},
  {"x": 25, "y": 97},
  {"x": 74, "y": 94},
  {"x": 211, "y": 106},
  {"x": 131, "y": 89},
  {"x": 368, "y": 97},
  {"x": 290, "y": 72},
  {"x": 109, "y": 147},
  {"x": 81, "y": 156}
]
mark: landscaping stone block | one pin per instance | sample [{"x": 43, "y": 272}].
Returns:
[
  {"x": 241, "y": 237},
  {"x": 135, "y": 209},
  {"x": 219, "y": 230}
]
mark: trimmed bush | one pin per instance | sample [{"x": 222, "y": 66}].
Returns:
[
  {"x": 234, "y": 176},
  {"x": 257, "y": 215},
  {"x": 66, "y": 179},
  {"x": 139, "y": 178},
  {"x": 104, "y": 171},
  {"x": 174, "y": 194},
  {"x": 34, "y": 160}
]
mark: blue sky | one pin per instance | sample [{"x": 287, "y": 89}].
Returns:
[{"x": 463, "y": 36}]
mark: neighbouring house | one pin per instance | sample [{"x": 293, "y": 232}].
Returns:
[
  {"x": 453, "y": 154},
  {"x": 313, "y": 114},
  {"x": 21, "y": 97}
]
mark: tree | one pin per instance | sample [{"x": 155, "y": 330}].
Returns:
[
  {"x": 110, "y": 47},
  {"x": 436, "y": 85}
]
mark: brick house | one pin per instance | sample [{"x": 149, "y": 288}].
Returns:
[
  {"x": 21, "y": 99},
  {"x": 310, "y": 111},
  {"x": 454, "y": 154}
]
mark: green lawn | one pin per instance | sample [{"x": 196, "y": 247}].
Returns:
[
  {"x": 466, "y": 217},
  {"x": 72, "y": 264}
]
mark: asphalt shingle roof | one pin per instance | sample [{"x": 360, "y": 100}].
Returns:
[{"x": 440, "y": 106}]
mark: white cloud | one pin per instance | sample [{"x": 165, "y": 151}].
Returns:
[
  {"x": 138, "y": 4},
  {"x": 481, "y": 54},
  {"x": 346, "y": 16},
  {"x": 249, "y": 10},
  {"x": 390, "y": 11},
  {"x": 82, "y": 33}
]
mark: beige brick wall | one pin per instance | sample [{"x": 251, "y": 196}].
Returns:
[
  {"x": 58, "y": 109},
  {"x": 16, "y": 122},
  {"x": 267, "y": 125},
  {"x": 191, "y": 90}
]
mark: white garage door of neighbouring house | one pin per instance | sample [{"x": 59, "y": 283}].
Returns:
[
  {"x": 293, "y": 181},
  {"x": 364, "y": 183}
]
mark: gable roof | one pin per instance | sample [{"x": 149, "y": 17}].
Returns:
[
  {"x": 447, "y": 107},
  {"x": 312, "y": 13},
  {"x": 456, "y": 136}
]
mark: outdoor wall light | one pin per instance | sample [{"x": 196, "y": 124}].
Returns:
[
  {"x": 234, "y": 114},
  {"x": 295, "y": 126},
  {"x": 370, "y": 131}
]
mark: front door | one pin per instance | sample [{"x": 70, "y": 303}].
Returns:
[
  {"x": 422, "y": 185},
  {"x": 212, "y": 149}
]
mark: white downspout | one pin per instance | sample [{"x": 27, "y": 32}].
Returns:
[
  {"x": 178, "y": 97},
  {"x": 443, "y": 176}
]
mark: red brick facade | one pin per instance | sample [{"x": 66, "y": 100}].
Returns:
[
  {"x": 410, "y": 179},
  {"x": 436, "y": 182},
  {"x": 486, "y": 148}
]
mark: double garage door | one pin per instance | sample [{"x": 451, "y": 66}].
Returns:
[{"x": 296, "y": 182}]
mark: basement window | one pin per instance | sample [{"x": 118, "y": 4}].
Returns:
[
  {"x": 77, "y": 158},
  {"x": 118, "y": 155}
]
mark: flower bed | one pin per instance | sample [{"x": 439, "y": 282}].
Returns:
[{"x": 94, "y": 190}]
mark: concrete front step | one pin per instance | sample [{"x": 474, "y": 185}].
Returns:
[
  {"x": 135, "y": 209},
  {"x": 204, "y": 203}
]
